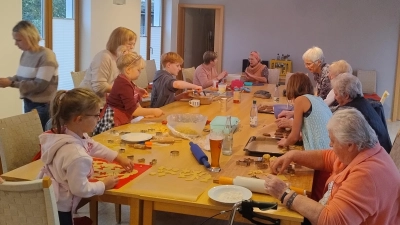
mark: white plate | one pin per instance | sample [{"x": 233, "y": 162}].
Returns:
[
  {"x": 229, "y": 193},
  {"x": 136, "y": 137}
]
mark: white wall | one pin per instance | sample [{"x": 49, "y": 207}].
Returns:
[
  {"x": 99, "y": 19},
  {"x": 363, "y": 32},
  {"x": 10, "y": 14},
  {"x": 170, "y": 18}
]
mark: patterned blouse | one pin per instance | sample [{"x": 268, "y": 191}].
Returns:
[{"x": 323, "y": 81}]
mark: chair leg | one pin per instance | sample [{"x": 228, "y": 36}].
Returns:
[
  {"x": 82, "y": 203},
  {"x": 118, "y": 213}
]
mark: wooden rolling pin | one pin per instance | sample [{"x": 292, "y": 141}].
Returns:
[{"x": 165, "y": 140}]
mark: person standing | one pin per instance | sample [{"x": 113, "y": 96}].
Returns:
[{"x": 37, "y": 74}]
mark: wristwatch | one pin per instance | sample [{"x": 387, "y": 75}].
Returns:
[{"x": 287, "y": 191}]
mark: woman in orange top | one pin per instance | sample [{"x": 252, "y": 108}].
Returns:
[
  {"x": 364, "y": 186},
  {"x": 256, "y": 72}
]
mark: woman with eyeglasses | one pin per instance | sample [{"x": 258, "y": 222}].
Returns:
[
  {"x": 314, "y": 61},
  {"x": 103, "y": 70},
  {"x": 256, "y": 71}
]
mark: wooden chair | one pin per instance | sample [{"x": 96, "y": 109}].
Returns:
[
  {"x": 77, "y": 77},
  {"x": 384, "y": 96},
  {"x": 395, "y": 152},
  {"x": 28, "y": 202},
  {"x": 273, "y": 77},
  {"x": 188, "y": 74},
  {"x": 288, "y": 75},
  {"x": 150, "y": 70},
  {"x": 19, "y": 139}
]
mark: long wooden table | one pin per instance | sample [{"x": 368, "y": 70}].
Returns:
[{"x": 142, "y": 204}]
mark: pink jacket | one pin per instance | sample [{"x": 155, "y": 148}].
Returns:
[{"x": 367, "y": 191}]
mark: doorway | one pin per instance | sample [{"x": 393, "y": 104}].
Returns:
[{"x": 200, "y": 29}]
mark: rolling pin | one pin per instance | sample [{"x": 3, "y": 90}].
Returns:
[
  {"x": 165, "y": 140},
  {"x": 199, "y": 154},
  {"x": 254, "y": 184}
]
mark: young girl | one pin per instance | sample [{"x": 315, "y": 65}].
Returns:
[
  {"x": 123, "y": 103},
  {"x": 67, "y": 150}
]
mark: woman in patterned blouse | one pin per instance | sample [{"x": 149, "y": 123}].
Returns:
[{"x": 314, "y": 61}]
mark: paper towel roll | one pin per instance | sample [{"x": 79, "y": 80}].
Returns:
[{"x": 253, "y": 184}]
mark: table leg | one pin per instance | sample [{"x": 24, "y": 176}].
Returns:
[
  {"x": 147, "y": 213},
  {"x": 135, "y": 211},
  {"x": 117, "y": 213},
  {"x": 94, "y": 210}
]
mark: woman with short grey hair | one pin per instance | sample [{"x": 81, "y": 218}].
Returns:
[
  {"x": 335, "y": 69},
  {"x": 314, "y": 61},
  {"x": 348, "y": 93},
  {"x": 364, "y": 186}
]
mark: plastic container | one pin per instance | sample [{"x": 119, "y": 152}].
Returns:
[
  {"x": 278, "y": 108},
  {"x": 247, "y": 83},
  {"x": 230, "y": 77},
  {"x": 191, "y": 125},
  {"x": 219, "y": 123}
]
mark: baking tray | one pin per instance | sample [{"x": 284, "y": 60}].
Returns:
[{"x": 260, "y": 145}]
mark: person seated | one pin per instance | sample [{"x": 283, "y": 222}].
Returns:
[
  {"x": 123, "y": 102},
  {"x": 364, "y": 185},
  {"x": 348, "y": 93},
  {"x": 314, "y": 61},
  {"x": 165, "y": 83},
  {"x": 256, "y": 71},
  {"x": 335, "y": 69},
  {"x": 206, "y": 73}
]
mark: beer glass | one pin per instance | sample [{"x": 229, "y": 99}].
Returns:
[{"x": 216, "y": 138}]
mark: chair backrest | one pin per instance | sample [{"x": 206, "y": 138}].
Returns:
[
  {"x": 188, "y": 74},
  {"x": 142, "y": 79},
  {"x": 150, "y": 70},
  {"x": 273, "y": 76},
  {"x": 288, "y": 75},
  {"x": 395, "y": 152},
  {"x": 384, "y": 96},
  {"x": 368, "y": 80},
  {"x": 28, "y": 202},
  {"x": 77, "y": 77},
  {"x": 19, "y": 139}
]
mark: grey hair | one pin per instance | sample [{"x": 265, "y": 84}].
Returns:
[
  {"x": 349, "y": 126},
  {"x": 347, "y": 84},
  {"x": 314, "y": 53},
  {"x": 339, "y": 67}
]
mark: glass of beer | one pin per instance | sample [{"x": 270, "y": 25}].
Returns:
[{"x": 216, "y": 138}]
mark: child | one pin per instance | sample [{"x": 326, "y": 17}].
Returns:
[
  {"x": 67, "y": 150},
  {"x": 165, "y": 83},
  {"x": 123, "y": 101}
]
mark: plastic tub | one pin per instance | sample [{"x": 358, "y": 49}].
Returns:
[
  {"x": 190, "y": 125},
  {"x": 278, "y": 108},
  {"x": 219, "y": 122},
  {"x": 247, "y": 83}
]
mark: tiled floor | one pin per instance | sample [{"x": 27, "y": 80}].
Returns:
[{"x": 107, "y": 216}]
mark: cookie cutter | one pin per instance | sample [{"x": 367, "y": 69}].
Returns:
[
  {"x": 124, "y": 132},
  {"x": 110, "y": 141},
  {"x": 153, "y": 162},
  {"x": 262, "y": 166},
  {"x": 158, "y": 133},
  {"x": 141, "y": 160},
  {"x": 245, "y": 162},
  {"x": 143, "y": 131},
  {"x": 122, "y": 150},
  {"x": 131, "y": 157},
  {"x": 290, "y": 170},
  {"x": 174, "y": 153},
  {"x": 151, "y": 129}
]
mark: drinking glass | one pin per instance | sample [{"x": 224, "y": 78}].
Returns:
[{"x": 216, "y": 138}]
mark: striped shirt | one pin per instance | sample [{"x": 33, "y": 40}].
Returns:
[{"x": 37, "y": 75}]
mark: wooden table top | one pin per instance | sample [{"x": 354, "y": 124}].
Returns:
[{"x": 185, "y": 159}]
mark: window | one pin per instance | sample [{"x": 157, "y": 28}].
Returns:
[
  {"x": 59, "y": 32},
  {"x": 150, "y": 39}
]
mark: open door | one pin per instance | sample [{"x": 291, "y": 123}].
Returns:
[
  {"x": 215, "y": 45},
  {"x": 396, "y": 99}
]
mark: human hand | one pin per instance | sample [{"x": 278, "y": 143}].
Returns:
[
  {"x": 286, "y": 114},
  {"x": 5, "y": 82},
  {"x": 275, "y": 186},
  {"x": 157, "y": 112},
  {"x": 198, "y": 88},
  {"x": 284, "y": 122},
  {"x": 281, "y": 163},
  {"x": 282, "y": 142},
  {"x": 126, "y": 163},
  {"x": 110, "y": 182},
  {"x": 143, "y": 92}
]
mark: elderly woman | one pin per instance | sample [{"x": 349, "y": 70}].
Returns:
[
  {"x": 314, "y": 61},
  {"x": 364, "y": 186},
  {"x": 37, "y": 74},
  {"x": 347, "y": 89},
  {"x": 206, "y": 73},
  {"x": 103, "y": 70},
  {"x": 335, "y": 69},
  {"x": 256, "y": 71}
]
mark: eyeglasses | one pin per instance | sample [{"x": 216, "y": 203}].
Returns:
[
  {"x": 310, "y": 63},
  {"x": 97, "y": 115}
]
